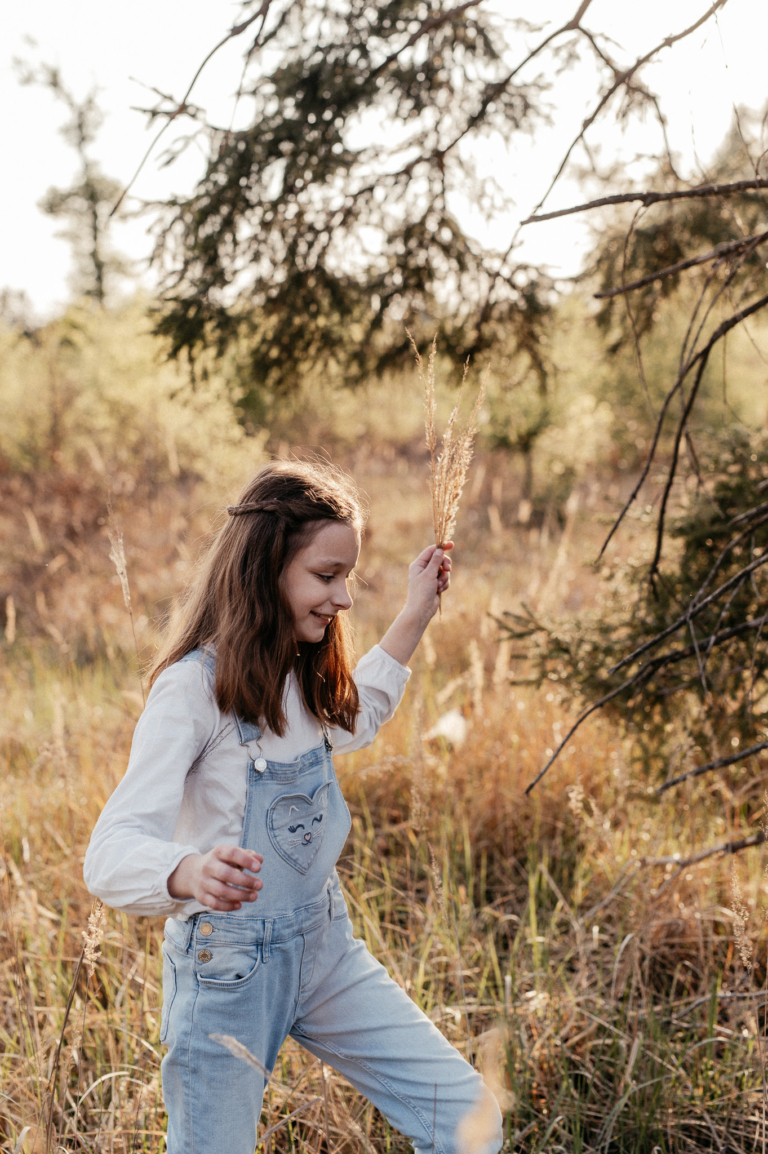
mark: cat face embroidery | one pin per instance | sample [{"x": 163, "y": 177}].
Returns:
[{"x": 296, "y": 825}]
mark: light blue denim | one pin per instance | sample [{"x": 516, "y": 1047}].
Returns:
[{"x": 289, "y": 964}]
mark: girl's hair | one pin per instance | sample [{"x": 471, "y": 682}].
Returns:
[{"x": 237, "y": 604}]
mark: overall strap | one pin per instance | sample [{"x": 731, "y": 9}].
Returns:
[{"x": 246, "y": 731}]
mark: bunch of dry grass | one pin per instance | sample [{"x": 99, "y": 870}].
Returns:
[{"x": 448, "y": 468}]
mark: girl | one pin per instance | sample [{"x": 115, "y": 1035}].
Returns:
[{"x": 230, "y": 820}]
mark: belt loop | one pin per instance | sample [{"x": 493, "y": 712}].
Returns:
[
  {"x": 191, "y": 923},
  {"x": 267, "y": 940}
]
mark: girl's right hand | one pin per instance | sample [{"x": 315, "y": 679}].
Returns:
[{"x": 216, "y": 879}]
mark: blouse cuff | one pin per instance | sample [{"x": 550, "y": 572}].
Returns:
[
  {"x": 379, "y": 657},
  {"x": 179, "y": 904}
]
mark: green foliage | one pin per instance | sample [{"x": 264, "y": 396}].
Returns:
[
  {"x": 686, "y": 650},
  {"x": 332, "y": 216},
  {"x": 90, "y": 394}
]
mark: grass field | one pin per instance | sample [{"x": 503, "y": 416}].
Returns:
[{"x": 613, "y": 1002}]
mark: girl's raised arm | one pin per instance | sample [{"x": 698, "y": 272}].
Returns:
[{"x": 428, "y": 577}]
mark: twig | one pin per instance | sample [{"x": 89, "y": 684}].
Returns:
[
  {"x": 720, "y": 997},
  {"x": 621, "y": 78},
  {"x": 728, "y": 847},
  {"x": 236, "y": 30},
  {"x": 717, "y": 335},
  {"x": 288, "y": 1118},
  {"x": 57, "y": 1059},
  {"x": 718, "y": 763},
  {"x": 702, "y": 356},
  {"x": 495, "y": 90},
  {"x": 719, "y": 251},
  {"x": 644, "y": 673},
  {"x": 647, "y": 198}
]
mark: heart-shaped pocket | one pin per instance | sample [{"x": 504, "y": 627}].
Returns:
[{"x": 296, "y": 825}]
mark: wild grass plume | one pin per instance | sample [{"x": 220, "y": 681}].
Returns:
[{"x": 448, "y": 467}]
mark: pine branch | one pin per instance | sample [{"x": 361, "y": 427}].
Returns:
[{"x": 643, "y": 674}]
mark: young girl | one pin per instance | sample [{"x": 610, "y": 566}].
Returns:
[{"x": 230, "y": 820}]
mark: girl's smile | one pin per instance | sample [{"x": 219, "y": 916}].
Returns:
[{"x": 315, "y": 581}]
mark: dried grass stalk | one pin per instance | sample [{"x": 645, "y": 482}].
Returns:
[
  {"x": 92, "y": 937},
  {"x": 117, "y": 557},
  {"x": 448, "y": 467}
]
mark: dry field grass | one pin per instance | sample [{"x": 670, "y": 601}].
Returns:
[{"x": 613, "y": 1004}]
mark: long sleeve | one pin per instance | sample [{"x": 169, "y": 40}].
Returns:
[
  {"x": 132, "y": 852},
  {"x": 380, "y": 684}
]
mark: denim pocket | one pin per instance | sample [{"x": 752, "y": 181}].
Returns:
[
  {"x": 296, "y": 825},
  {"x": 226, "y": 966},
  {"x": 169, "y": 992}
]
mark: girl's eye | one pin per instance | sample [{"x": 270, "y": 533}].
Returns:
[{"x": 325, "y": 576}]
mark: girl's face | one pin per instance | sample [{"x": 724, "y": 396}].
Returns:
[{"x": 315, "y": 581}]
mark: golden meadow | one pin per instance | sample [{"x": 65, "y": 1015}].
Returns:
[{"x": 613, "y": 1002}]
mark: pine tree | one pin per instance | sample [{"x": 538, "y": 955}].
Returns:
[{"x": 85, "y": 206}]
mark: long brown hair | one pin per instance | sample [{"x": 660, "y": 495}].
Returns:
[{"x": 237, "y": 604}]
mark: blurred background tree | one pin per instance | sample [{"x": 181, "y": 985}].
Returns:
[
  {"x": 334, "y": 215},
  {"x": 85, "y": 206}
]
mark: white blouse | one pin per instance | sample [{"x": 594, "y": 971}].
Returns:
[{"x": 184, "y": 790}]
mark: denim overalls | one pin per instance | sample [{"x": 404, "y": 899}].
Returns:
[{"x": 288, "y": 964}]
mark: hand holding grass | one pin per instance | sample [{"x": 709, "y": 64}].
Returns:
[
  {"x": 448, "y": 468},
  {"x": 428, "y": 578}
]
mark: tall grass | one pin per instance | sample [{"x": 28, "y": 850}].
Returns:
[{"x": 604, "y": 996}]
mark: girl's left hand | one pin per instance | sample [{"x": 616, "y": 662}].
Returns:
[{"x": 428, "y": 577}]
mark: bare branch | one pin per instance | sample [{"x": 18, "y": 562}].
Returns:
[
  {"x": 720, "y": 251},
  {"x": 644, "y": 673},
  {"x": 702, "y": 356},
  {"x": 719, "y": 332},
  {"x": 718, "y": 763},
  {"x": 237, "y": 30},
  {"x": 647, "y": 198},
  {"x": 727, "y": 848},
  {"x": 621, "y": 79},
  {"x": 693, "y": 610}
]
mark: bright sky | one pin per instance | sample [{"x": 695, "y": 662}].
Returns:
[{"x": 121, "y": 47}]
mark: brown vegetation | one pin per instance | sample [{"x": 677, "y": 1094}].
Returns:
[{"x": 615, "y": 1004}]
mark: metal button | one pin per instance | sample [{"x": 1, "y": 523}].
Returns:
[
  {"x": 260, "y": 764},
  {"x": 204, "y": 956},
  {"x": 206, "y": 929}
]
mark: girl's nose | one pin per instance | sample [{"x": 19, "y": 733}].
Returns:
[{"x": 341, "y": 597}]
